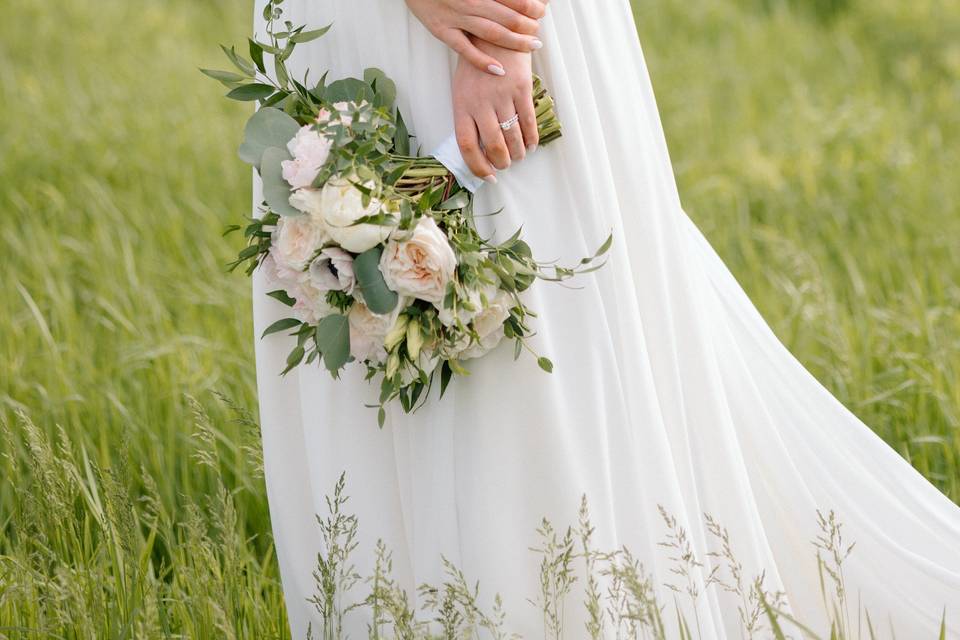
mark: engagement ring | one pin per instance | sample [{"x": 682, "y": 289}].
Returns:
[{"x": 507, "y": 124}]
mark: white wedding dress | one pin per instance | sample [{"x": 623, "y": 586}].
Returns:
[{"x": 668, "y": 389}]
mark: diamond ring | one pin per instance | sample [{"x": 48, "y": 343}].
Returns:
[{"x": 507, "y": 124}]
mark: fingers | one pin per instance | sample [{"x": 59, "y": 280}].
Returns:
[
  {"x": 497, "y": 34},
  {"x": 469, "y": 142},
  {"x": 491, "y": 136},
  {"x": 535, "y": 9},
  {"x": 528, "y": 122},
  {"x": 512, "y": 136},
  {"x": 459, "y": 42},
  {"x": 507, "y": 18}
]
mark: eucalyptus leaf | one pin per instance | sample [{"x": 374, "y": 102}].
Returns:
[
  {"x": 256, "y": 54},
  {"x": 283, "y": 297},
  {"x": 456, "y": 201},
  {"x": 268, "y": 127},
  {"x": 295, "y": 357},
  {"x": 366, "y": 267},
  {"x": 228, "y": 78},
  {"x": 346, "y": 90},
  {"x": 276, "y": 191},
  {"x": 281, "y": 325},
  {"x": 250, "y": 92},
  {"x": 401, "y": 137},
  {"x": 384, "y": 88},
  {"x": 307, "y": 36},
  {"x": 241, "y": 63},
  {"x": 333, "y": 339}
]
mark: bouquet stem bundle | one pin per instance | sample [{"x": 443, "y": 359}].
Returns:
[{"x": 426, "y": 172}]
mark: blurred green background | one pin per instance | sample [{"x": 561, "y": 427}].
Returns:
[{"x": 816, "y": 142}]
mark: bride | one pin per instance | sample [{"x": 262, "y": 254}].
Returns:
[{"x": 668, "y": 389}]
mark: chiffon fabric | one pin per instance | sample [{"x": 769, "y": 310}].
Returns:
[{"x": 668, "y": 388}]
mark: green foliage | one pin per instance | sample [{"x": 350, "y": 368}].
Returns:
[
  {"x": 267, "y": 127},
  {"x": 378, "y": 297},
  {"x": 276, "y": 191}
]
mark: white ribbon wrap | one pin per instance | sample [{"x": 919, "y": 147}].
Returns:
[{"x": 448, "y": 153}]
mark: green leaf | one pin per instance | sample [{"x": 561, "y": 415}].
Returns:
[
  {"x": 545, "y": 364},
  {"x": 401, "y": 137},
  {"x": 379, "y": 298},
  {"x": 283, "y": 297},
  {"x": 268, "y": 127},
  {"x": 249, "y": 251},
  {"x": 295, "y": 357},
  {"x": 256, "y": 54},
  {"x": 227, "y": 78},
  {"x": 283, "y": 78},
  {"x": 348, "y": 89},
  {"x": 381, "y": 416},
  {"x": 242, "y": 64},
  {"x": 308, "y": 36},
  {"x": 457, "y": 201},
  {"x": 250, "y": 92},
  {"x": 281, "y": 325},
  {"x": 333, "y": 339},
  {"x": 445, "y": 374},
  {"x": 604, "y": 247},
  {"x": 276, "y": 190},
  {"x": 385, "y": 90}
]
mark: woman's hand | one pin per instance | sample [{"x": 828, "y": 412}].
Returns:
[
  {"x": 481, "y": 102},
  {"x": 511, "y": 24}
]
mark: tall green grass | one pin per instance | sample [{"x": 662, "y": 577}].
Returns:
[{"x": 815, "y": 143}]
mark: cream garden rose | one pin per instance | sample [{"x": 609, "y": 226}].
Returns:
[
  {"x": 294, "y": 242},
  {"x": 368, "y": 330},
  {"x": 419, "y": 265},
  {"x": 310, "y": 150},
  {"x": 489, "y": 325},
  {"x": 340, "y": 206}
]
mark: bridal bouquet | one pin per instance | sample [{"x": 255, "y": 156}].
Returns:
[{"x": 374, "y": 250}]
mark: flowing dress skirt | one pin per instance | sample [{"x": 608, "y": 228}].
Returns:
[{"x": 668, "y": 389}]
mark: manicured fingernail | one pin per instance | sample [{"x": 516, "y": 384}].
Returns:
[
  {"x": 536, "y": 44},
  {"x": 496, "y": 70},
  {"x": 492, "y": 179},
  {"x": 531, "y": 148}
]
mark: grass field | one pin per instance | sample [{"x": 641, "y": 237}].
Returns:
[{"x": 816, "y": 143}]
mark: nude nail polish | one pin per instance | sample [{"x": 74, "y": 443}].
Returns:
[
  {"x": 496, "y": 70},
  {"x": 492, "y": 179},
  {"x": 536, "y": 44},
  {"x": 531, "y": 148}
]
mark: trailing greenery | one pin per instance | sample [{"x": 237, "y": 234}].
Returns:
[{"x": 817, "y": 152}]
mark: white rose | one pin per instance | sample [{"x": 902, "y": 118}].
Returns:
[
  {"x": 310, "y": 150},
  {"x": 307, "y": 201},
  {"x": 341, "y": 205},
  {"x": 368, "y": 330},
  {"x": 420, "y": 265},
  {"x": 332, "y": 270},
  {"x": 489, "y": 325},
  {"x": 294, "y": 241}
]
